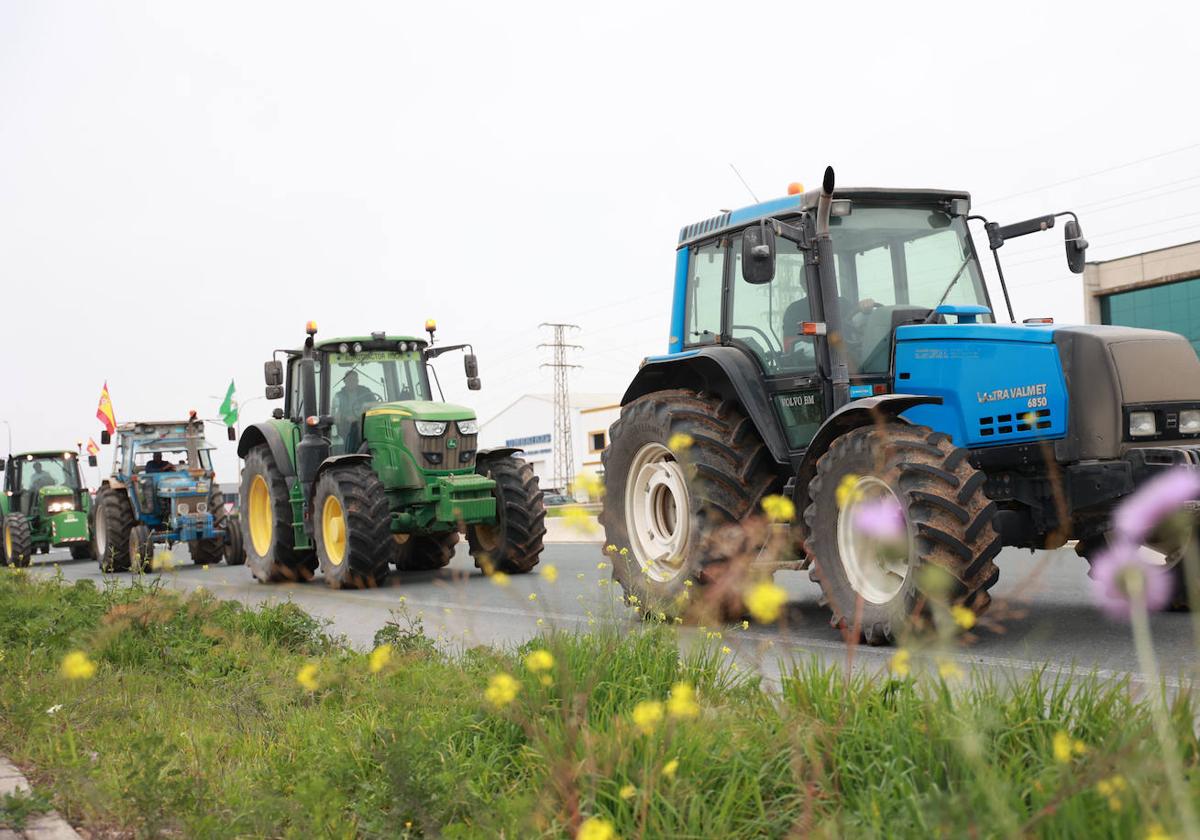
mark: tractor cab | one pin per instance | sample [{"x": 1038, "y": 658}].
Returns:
[
  {"x": 168, "y": 468},
  {"x": 46, "y": 491}
]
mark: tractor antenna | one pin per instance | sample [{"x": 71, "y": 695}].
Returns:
[{"x": 744, "y": 184}]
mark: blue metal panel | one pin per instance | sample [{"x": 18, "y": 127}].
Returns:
[
  {"x": 966, "y": 313},
  {"x": 677, "y": 305},
  {"x": 996, "y": 388}
]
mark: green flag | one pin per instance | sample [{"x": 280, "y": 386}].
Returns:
[{"x": 229, "y": 408}]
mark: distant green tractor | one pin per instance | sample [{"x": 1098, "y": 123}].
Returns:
[
  {"x": 362, "y": 468},
  {"x": 45, "y": 504}
]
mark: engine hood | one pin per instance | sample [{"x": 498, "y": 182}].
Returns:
[{"x": 423, "y": 410}]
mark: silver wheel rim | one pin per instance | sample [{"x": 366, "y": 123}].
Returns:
[
  {"x": 875, "y": 572},
  {"x": 101, "y": 534},
  {"x": 657, "y": 512}
]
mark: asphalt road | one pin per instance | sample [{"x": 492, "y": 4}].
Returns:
[{"x": 1042, "y": 615}]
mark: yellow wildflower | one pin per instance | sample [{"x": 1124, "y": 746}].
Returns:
[
  {"x": 307, "y": 677},
  {"x": 900, "y": 663},
  {"x": 596, "y": 828},
  {"x": 846, "y": 490},
  {"x": 532, "y": 596},
  {"x": 577, "y": 517},
  {"x": 765, "y": 601},
  {"x": 603, "y": 582},
  {"x": 689, "y": 583},
  {"x": 540, "y": 622},
  {"x": 680, "y": 441},
  {"x": 77, "y": 666},
  {"x": 1156, "y": 832},
  {"x": 379, "y": 658},
  {"x": 624, "y": 552},
  {"x": 964, "y": 617},
  {"x": 725, "y": 649},
  {"x": 162, "y": 561},
  {"x": 1061, "y": 746},
  {"x": 948, "y": 669},
  {"x": 550, "y": 573},
  {"x": 204, "y": 567},
  {"x": 601, "y": 565},
  {"x": 682, "y": 701},
  {"x": 628, "y": 792},
  {"x": 610, "y": 549},
  {"x": 745, "y": 625},
  {"x": 1078, "y": 747},
  {"x": 539, "y": 660},
  {"x": 779, "y": 508},
  {"x": 670, "y": 767},
  {"x": 647, "y": 715},
  {"x": 501, "y": 579},
  {"x": 546, "y": 680},
  {"x": 501, "y": 690},
  {"x": 580, "y": 576}
]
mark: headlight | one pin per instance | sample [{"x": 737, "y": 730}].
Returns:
[
  {"x": 343, "y": 347},
  {"x": 59, "y": 507},
  {"x": 1141, "y": 424},
  {"x": 1189, "y": 422},
  {"x": 430, "y": 428},
  {"x": 471, "y": 427}
]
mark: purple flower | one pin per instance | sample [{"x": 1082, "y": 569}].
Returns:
[
  {"x": 1119, "y": 573},
  {"x": 1154, "y": 501},
  {"x": 880, "y": 518}
]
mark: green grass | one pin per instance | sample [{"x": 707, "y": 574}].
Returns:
[{"x": 194, "y": 725}]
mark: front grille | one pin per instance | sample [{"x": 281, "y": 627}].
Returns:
[
  {"x": 436, "y": 453},
  {"x": 190, "y": 505},
  {"x": 1007, "y": 424}
]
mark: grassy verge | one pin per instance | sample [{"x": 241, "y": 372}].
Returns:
[{"x": 194, "y": 723}]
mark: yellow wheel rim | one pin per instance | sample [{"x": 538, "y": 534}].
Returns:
[
  {"x": 333, "y": 530},
  {"x": 262, "y": 520},
  {"x": 7, "y": 541}
]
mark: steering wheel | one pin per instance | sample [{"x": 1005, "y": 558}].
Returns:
[{"x": 853, "y": 330}]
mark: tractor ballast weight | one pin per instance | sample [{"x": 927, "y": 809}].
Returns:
[
  {"x": 44, "y": 505},
  {"x": 840, "y": 348},
  {"x": 362, "y": 469},
  {"x": 149, "y": 500}
]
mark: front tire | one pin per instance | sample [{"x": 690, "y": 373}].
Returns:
[
  {"x": 686, "y": 472},
  {"x": 874, "y": 588},
  {"x": 18, "y": 541},
  {"x": 267, "y": 532},
  {"x": 114, "y": 521},
  {"x": 352, "y": 527},
  {"x": 512, "y": 544},
  {"x": 209, "y": 552},
  {"x": 81, "y": 551},
  {"x": 426, "y": 553}
]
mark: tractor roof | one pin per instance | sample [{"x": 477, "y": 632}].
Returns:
[
  {"x": 388, "y": 342},
  {"x": 805, "y": 201},
  {"x": 45, "y": 453}
]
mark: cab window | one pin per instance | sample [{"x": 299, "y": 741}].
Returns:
[
  {"x": 706, "y": 275},
  {"x": 767, "y": 318}
]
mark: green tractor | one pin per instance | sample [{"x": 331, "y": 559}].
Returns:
[
  {"x": 45, "y": 504},
  {"x": 362, "y": 468}
]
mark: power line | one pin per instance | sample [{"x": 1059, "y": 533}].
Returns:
[
  {"x": 1104, "y": 171},
  {"x": 564, "y": 452}
]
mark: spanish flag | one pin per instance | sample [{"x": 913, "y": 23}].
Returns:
[
  {"x": 104, "y": 412},
  {"x": 92, "y": 448}
]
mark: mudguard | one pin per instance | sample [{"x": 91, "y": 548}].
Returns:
[
  {"x": 725, "y": 371},
  {"x": 271, "y": 434},
  {"x": 339, "y": 460},
  {"x": 497, "y": 452},
  {"x": 852, "y": 415}
]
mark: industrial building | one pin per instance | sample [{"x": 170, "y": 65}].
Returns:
[{"x": 1157, "y": 289}]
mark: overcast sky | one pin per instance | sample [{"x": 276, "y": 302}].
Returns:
[{"x": 183, "y": 185}]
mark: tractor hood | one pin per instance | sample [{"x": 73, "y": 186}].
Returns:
[{"x": 423, "y": 410}]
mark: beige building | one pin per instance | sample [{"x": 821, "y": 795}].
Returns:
[{"x": 1156, "y": 289}]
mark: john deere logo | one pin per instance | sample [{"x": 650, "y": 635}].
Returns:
[{"x": 452, "y": 444}]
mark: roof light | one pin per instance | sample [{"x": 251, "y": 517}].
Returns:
[
  {"x": 311, "y": 328},
  {"x": 795, "y": 188},
  {"x": 430, "y": 325},
  {"x": 1038, "y": 321},
  {"x": 312, "y": 421},
  {"x": 812, "y": 328}
]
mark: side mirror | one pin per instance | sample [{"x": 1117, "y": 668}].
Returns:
[
  {"x": 231, "y": 433},
  {"x": 91, "y": 461},
  {"x": 273, "y": 372},
  {"x": 274, "y": 392},
  {"x": 1076, "y": 246},
  {"x": 471, "y": 366},
  {"x": 105, "y": 437},
  {"x": 2, "y": 463},
  {"x": 758, "y": 255},
  {"x": 473, "y": 383}
]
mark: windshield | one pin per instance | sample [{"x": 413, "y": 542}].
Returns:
[
  {"x": 893, "y": 265},
  {"x": 47, "y": 471},
  {"x": 167, "y": 457},
  {"x": 360, "y": 380}
]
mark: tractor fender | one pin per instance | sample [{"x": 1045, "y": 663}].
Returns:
[
  {"x": 340, "y": 460},
  {"x": 496, "y": 452},
  {"x": 852, "y": 415},
  {"x": 725, "y": 371},
  {"x": 269, "y": 434}
]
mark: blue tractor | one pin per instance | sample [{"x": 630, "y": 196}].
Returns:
[
  {"x": 162, "y": 490},
  {"x": 841, "y": 349}
]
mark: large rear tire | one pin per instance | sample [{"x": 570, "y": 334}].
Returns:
[
  {"x": 427, "y": 553},
  {"x": 114, "y": 521},
  {"x": 266, "y": 521},
  {"x": 352, "y": 527},
  {"x": 512, "y": 544},
  {"x": 686, "y": 474},
  {"x": 874, "y": 588},
  {"x": 18, "y": 541}
]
